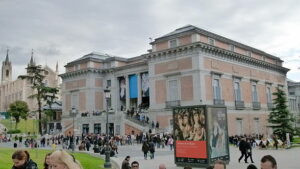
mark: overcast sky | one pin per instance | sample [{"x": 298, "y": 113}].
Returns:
[{"x": 64, "y": 30}]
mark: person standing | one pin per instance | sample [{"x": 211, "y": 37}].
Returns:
[
  {"x": 125, "y": 163},
  {"x": 21, "y": 160},
  {"x": 243, "y": 149},
  {"x": 145, "y": 149},
  {"x": 135, "y": 165},
  {"x": 152, "y": 149},
  {"x": 171, "y": 142}
]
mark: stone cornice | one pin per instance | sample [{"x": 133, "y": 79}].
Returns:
[
  {"x": 100, "y": 71},
  {"x": 221, "y": 53}
]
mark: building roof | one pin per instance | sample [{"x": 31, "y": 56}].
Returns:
[{"x": 192, "y": 28}]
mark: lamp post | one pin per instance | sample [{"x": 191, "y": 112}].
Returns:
[
  {"x": 107, "y": 163},
  {"x": 73, "y": 137}
]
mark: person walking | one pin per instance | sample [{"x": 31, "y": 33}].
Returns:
[
  {"x": 125, "y": 163},
  {"x": 145, "y": 149},
  {"x": 248, "y": 151},
  {"x": 152, "y": 149},
  {"x": 243, "y": 149},
  {"x": 171, "y": 142}
]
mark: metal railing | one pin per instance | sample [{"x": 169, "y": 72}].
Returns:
[
  {"x": 239, "y": 105},
  {"x": 219, "y": 102},
  {"x": 256, "y": 105}
]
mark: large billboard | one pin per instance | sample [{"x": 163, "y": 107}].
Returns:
[
  {"x": 200, "y": 134},
  {"x": 190, "y": 135}
]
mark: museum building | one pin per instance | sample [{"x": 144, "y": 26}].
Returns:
[{"x": 186, "y": 67}]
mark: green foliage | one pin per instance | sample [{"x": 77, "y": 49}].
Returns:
[
  {"x": 16, "y": 131},
  {"x": 25, "y": 126},
  {"x": 280, "y": 116},
  {"x": 35, "y": 75},
  {"x": 38, "y": 155},
  {"x": 18, "y": 110}
]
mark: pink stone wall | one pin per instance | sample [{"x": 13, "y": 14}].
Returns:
[
  {"x": 75, "y": 84},
  {"x": 160, "y": 94},
  {"x": 83, "y": 66},
  {"x": 208, "y": 87},
  {"x": 261, "y": 89},
  {"x": 98, "y": 82},
  {"x": 222, "y": 45},
  {"x": 175, "y": 65},
  {"x": 121, "y": 63},
  {"x": 203, "y": 38},
  {"x": 163, "y": 120},
  {"x": 97, "y": 65},
  {"x": 68, "y": 102},
  {"x": 227, "y": 89},
  {"x": 187, "y": 89},
  {"x": 99, "y": 100},
  {"x": 248, "y": 122},
  {"x": 129, "y": 129},
  {"x": 246, "y": 92},
  {"x": 82, "y": 101},
  {"x": 162, "y": 46},
  {"x": 185, "y": 40}
]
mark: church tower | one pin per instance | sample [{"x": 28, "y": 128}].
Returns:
[{"x": 6, "y": 70}]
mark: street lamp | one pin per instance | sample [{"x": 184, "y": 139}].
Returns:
[
  {"x": 73, "y": 137},
  {"x": 107, "y": 163}
]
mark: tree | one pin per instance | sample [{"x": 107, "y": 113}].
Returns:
[
  {"x": 18, "y": 110},
  {"x": 35, "y": 75},
  {"x": 280, "y": 116}
]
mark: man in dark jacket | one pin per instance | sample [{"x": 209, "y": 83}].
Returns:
[
  {"x": 125, "y": 163},
  {"x": 243, "y": 149}
]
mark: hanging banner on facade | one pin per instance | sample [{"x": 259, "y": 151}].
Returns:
[
  {"x": 122, "y": 84},
  {"x": 218, "y": 135},
  {"x": 145, "y": 84},
  {"x": 190, "y": 135},
  {"x": 133, "y": 89}
]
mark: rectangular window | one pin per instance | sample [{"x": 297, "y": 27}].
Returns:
[
  {"x": 256, "y": 126},
  {"x": 217, "y": 89},
  {"x": 254, "y": 93},
  {"x": 195, "y": 38},
  {"x": 239, "y": 127},
  {"x": 237, "y": 91},
  {"x": 269, "y": 95},
  {"x": 248, "y": 53},
  {"x": 211, "y": 41},
  {"x": 173, "y": 43},
  {"x": 231, "y": 48},
  {"x": 75, "y": 100},
  {"x": 97, "y": 128},
  {"x": 173, "y": 90},
  {"x": 85, "y": 128},
  {"x": 108, "y": 83}
]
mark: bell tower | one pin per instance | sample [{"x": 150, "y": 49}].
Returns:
[{"x": 6, "y": 70}]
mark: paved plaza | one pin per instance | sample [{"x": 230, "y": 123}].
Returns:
[{"x": 286, "y": 158}]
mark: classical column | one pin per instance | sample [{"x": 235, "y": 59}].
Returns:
[
  {"x": 139, "y": 88},
  {"x": 127, "y": 93}
]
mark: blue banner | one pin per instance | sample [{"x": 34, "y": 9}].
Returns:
[{"x": 133, "y": 89}]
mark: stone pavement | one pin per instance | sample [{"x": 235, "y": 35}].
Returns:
[{"x": 286, "y": 158}]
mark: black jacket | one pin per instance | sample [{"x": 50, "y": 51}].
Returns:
[{"x": 28, "y": 165}]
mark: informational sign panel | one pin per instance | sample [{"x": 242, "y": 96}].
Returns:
[{"x": 200, "y": 132}]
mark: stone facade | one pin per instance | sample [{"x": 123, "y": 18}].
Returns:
[
  {"x": 13, "y": 90},
  {"x": 189, "y": 66}
]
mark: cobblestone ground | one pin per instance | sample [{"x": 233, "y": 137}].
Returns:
[{"x": 286, "y": 158}]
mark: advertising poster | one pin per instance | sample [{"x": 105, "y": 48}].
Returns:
[
  {"x": 190, "y": 135},
  {"x": 122, "y": 84},
  {"x": 218, "y": 133}
]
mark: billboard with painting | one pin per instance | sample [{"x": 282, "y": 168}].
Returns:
[{"x": 193, "y": 133}]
